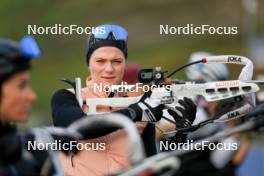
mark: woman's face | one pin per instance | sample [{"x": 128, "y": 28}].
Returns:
[
  {"x": 107, "y": 65},
  {"x": 16, "y": 98}
]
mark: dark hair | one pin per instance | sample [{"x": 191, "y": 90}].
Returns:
[{"x": 11, "y": 59}]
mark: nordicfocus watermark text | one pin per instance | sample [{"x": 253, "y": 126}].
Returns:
[
  {"x": 58, "y": 145},
  {"x": 59, "y": 29},
  {"x": 123, "y": 87},
  {"x": 191, "y": 29},
  {"x": 203, "y": 145}
]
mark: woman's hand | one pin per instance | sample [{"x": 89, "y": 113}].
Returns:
[
  {"x": 147, "y": 109},
  {"x": 188, "y": 113}
]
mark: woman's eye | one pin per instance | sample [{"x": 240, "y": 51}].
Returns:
[
  {"x": 117, "y": 61},
  {"x": 100, "y": 61},
  {"x": 22, "y": 85}
]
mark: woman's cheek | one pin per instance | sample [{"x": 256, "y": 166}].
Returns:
[
  {"x": 18, "y": 113},
  {"x": 121, "y": 72}
]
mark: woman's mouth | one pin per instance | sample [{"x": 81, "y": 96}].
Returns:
[{"x": 108, "y": 77}]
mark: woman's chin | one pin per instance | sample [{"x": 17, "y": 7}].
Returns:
[
  {"x": 17, "y": 119},
  {"x": 110, "y": 82}
]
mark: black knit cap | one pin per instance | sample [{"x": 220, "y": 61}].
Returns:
[
  {"x": 11, "y": 59},
  {"x": 95, "y": 43}
]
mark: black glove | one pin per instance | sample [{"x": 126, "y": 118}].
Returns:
[
  {"x": 185, "y": 120},
  {"x": 147, "y": 109},
  {"x": 188, "y": 112}
]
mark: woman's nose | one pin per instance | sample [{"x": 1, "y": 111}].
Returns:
[
  {"x": 31, "y": 95},
  {"x": 109, "y": 67}
]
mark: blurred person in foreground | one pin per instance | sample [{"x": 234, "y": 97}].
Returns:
[{"x": 16, "y": 99}]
